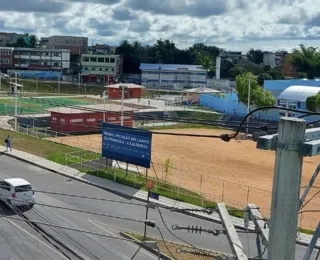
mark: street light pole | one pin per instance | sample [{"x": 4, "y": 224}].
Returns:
[
  {"x": 79, "y": 82},
  {"x": 59, "y": 83},
  {"x": 16, "y": 104},
  {"x": 104, "y": 105},
  {"x": 122, "y": 98},
  {"x": 248, "y": 109}
]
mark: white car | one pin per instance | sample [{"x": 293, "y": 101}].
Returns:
[{"x": 17, "y": 192}]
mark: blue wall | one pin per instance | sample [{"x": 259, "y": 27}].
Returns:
[
  {"x": 226, "y": 106},
  {"x": 277, "y": 86}
]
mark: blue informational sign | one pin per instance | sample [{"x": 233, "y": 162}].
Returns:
[
  {"x": 154, "y": 195},
  {"x": 126, "y": 144}
]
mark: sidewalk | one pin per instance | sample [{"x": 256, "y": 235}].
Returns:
[{"x": 126, "y": 191}]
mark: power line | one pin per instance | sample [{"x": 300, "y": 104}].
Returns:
[
  {"x": 72, "y": 229},
  {"x": 82, "y": 211}
]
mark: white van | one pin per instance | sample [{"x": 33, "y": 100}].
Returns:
[{"x": 17, "y": 192}]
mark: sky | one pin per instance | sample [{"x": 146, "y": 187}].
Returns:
[{"x": 230, "y": 24}]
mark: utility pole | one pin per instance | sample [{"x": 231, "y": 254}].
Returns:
[
  {"x": 248, "y": 109},
  {"x": 122, "y": 101},
  {"x": 16, "y": 104},
  {"x": 286, "y": 189},
  {"x": 59, "y": 83},
  {"x": 79, "y": 82}
]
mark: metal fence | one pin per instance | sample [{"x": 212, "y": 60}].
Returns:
[{"x": 184, "y": 184}]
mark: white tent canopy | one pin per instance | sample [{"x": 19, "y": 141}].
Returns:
[
  {"x": 201, "y": 90},
  {"x": 298, "y": 93}
]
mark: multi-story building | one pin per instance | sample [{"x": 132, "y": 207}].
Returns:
[
  {"x": 232, "y": 56},
  {"x": 273, "y": 59},
  {"x": 6, "y": 58},
  {"x": 101, "y": 68},
  {"x": 8, "y": 38},
  {"x": 76, "y": 45},
  {"x": 41, "y": 59},
  {"x": 172, "y": 75},
  {"x": 101, "y": 49}
]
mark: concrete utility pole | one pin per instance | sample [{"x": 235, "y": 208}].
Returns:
[
  {"x": 122, "y": 101},
  {"x": 286, "y": 189},
  {"x": 16, "y": 103},
  {"x": 249, "y": 97}
]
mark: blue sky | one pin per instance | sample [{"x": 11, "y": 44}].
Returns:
[{"x": 230, "y": 24}]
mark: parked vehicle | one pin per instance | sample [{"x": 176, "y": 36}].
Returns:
[{"x": 17, "y": 192}]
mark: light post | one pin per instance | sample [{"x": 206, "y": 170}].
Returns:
[
  {"x": 104, "y": 95},
  {"x": 79, "y": 82},
  {"x": 59, "y": 83},
  {"x": 16, "y": 103},
  {"x": 122, "y": 101},
  {"x": 248, "y": 109}
]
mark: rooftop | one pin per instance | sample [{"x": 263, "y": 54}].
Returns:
[
  {"x": 298, "y": 93},
  {"x": 149, "y": 66},
  {"x": 84, "y": 109},
  {"x": 201, "y": 90},
  {"x": 126, "y": 85}
]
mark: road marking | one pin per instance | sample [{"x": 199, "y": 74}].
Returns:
[
  {"x": 34, "y": 237},
  {"x": 130, "y": 243}
]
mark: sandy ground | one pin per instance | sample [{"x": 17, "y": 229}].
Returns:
[{"x": 234, "y": 172}]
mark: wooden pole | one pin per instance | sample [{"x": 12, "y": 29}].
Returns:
[{"x": 286, "y": 189}]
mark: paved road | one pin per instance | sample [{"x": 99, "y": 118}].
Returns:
[{"x": 85, "y": 244}]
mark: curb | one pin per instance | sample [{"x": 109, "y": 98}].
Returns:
[
  {"x": 124, "y": 195},
  {"x": 155, "y": 252}
]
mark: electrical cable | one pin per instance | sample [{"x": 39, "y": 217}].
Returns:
[
  {"x": 4, "y": 237},
  {"x": 37, "y": 229},
  {"x": 227, "y": 137},
  {"x": 308, "y": 201},
  {"x": 79, "y": 210},
  {"x": 98, "y": 243},
  {"x": 165, "y": 243},
  {"x": 27, "y": 237},
  {"x": 83, "y": 197}
]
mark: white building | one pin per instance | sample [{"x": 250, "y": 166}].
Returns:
[
  {"x": 102, "y": 68},
  {"x": 41, "y": 59},
  {"x": 273, "y": 59},
  {"x": 172, "y": 75}
]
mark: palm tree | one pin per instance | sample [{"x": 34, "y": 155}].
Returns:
[{"x": 306, "y": 60}]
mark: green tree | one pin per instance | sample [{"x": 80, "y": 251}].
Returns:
[
  {"x": 255, "y": 56},
  {"x": 276, "y": 74},
  {"x": 207, "y": 63},
  {"x": 312, "y": 103},
  {"x": 307, "y": 60},
  {"x": 258, "y": 96},
  {"x": 263, "y": 77},
  {"x": 236, "y": 71}
]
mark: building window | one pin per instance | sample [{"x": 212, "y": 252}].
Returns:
[
  {"x": 93, "y": 59},
  {"x": 127, "y": 117},
  {"x": 56, "y": 54},
  {"x": 85, "y": 59},
  {"x": 56, "y": 64},
  {"x": 100, "y": 59},
  {"x": 112, "y": 60},
  {"x": 100, "y": 69},
  {"x": 107, "y": 60},
  {"x": 112, "y": 118},
  {"x": 91, "y": 120},
  {"x": 62, "y": 120},
  {"x": 85, "y": 68},
  {"x": 112, "y": 69},
  {"x": 54, "y": 119},
  {"x": 80, "y": 120},
  {"x": 93, "y": 68}
]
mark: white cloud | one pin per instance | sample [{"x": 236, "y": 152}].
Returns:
[{"x": 231, "y": 24}]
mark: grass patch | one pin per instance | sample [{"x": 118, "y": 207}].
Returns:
[
  {"x": 198, "y": 115},
  {"x": 40, "y": 147},
  {"x": 306, "y": 231},
  {"x": 173, "y": 248}
]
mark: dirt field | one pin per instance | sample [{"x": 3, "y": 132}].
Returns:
[{"x": 234, "y": 172}]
